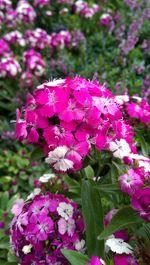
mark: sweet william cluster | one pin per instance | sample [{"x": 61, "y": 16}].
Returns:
[
  {"x": 43, "y": 226},
  {"x": 68, "y": 116}
]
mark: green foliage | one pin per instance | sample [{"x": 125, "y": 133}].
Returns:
[
  {"x": 74, "y": 257},
  {"x": 93, "y": 217},
  {"x": 125, "y": 217}
]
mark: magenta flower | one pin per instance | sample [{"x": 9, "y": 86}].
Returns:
[
  {"x": 21, "y": 132},
  {"x": 95, "y": 261},
  {"x": 76, "y": 114},
  {"x": 42, "y": 228},
  {"x": 4, "y": 48},
  {"x": 141, "y": 203},
  {"x": 125, "y": 260},
  {"x": 105, "y": 19},
  {"x": 131, "y": 181}
]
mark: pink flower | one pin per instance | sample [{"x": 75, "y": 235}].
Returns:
[
  {"x": 33, "y": 136},
  {"x": 52, "y": 102},
  {"x": 42, "y": 229},
  {"x": 141, "y": 202},
  {"x": 105, "y": 19},
  {"x": 131, "y": 181},
  {"x": 17, "y": 207},
  {"x": 125, "y": 260},
  {"x": 58, "y": 159},
  {"x": 21, "y": 132},
  {"x": 95, "y": 261}
]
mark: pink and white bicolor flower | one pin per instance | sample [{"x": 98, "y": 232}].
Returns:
[{"x": 57, "y": 158}]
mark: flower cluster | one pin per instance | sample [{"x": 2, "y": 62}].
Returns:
[
  {"x": 135, "y": 107},
  {"x": 9, "y": 67},
  {"x": 45, "y": 225},
  {"x": 25, "y": 12},
  {"x": 37, "y": 38},
  {"x": 84, "y": 10},
  {"x": 34, "y": 62},
  {"x": 4, "y": 48},
  {"x": 60, "y": 40},
  {"x": 15, "y": 37},
  {"x": 41, "y": 3},
  {"x": 69, "y": 116}
]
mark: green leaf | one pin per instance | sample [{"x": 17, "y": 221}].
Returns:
[
  {"x": 108, "y": 188},
  {"x": 4, "y": 200},
  {"x": 75, "y": 258},
  {"x": 89, "y": 172},
  {"x": 74, "y": 186},
  {"x": 125, "y": 217},
  {"x": 144, "y": 145},
  {"x": 36, "y": 154},
  {"x": 11, "y": 257},
  {"x": 12, "y": 201},
  {"x": 4, "y": 243},
  {"x": 93, "y": 217}
]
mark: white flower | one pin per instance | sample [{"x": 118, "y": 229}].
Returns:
[
  {"x": 33, "y": 194},
  {"x": 58, "y": 160},
  {"x": 120, "y": 148},
  {"x": 121, "y": 99},
  {"x": 27, "y": 249},
  {"x": 118, "y": 245},
  {"x": 55, "y": 82},
  {"x": 46, "y": 177},
  {"x": 65, "y": 210},
  {"x": 80, "y": 245}
]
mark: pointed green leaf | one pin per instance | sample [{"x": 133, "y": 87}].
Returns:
[
  {"x": 75, "y": 258},
  {"x": 89, "y": 172},
  {"x": 123, "y": 218},
  {"x": 93, "y": 217}
]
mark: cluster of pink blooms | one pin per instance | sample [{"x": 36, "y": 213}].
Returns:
[
  {"x": 68, "y": 116},
  {"x": 135, "y": 107},
  {"x": 84, "y": 10},
  {"x": 43, "y": 226},
  {"x": 60, "y": 40},
  {"x": 15, "y": 37},
  {"x": 34, "y": 62},
  {"x": 4, "y": 50},
  {"x": 134, "y": 180},
  {"x": 41, "y": 3},
  {"x": 9, "y": 67},
  {"x": 25, "y": 12},
  {"x": 5, "y": 4},
  {"x": 37, "y": 38}
]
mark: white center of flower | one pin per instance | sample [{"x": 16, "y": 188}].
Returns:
[{"x": 27, "y": 249}]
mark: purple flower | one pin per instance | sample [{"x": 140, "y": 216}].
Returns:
[
  {"x": 141, "y": 203},
  {"x": 43, "y": 227},
  {"x": 2, "y": 224}
]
